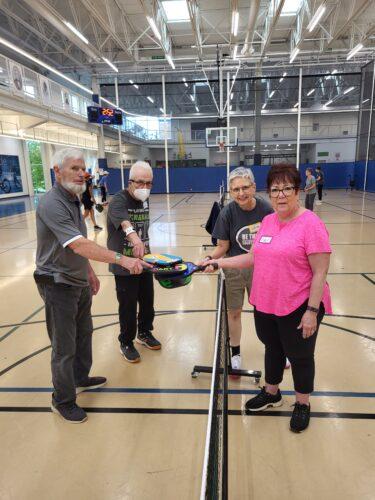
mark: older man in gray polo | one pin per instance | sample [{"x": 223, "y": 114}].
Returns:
[{"x": 66, "y": 282}]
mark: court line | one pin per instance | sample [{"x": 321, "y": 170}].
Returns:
[
  {"x": 175, "y": 205},
  {"x": 146, "y": 390},
  {"x": 349, "y": 331},
  {"x": 16, "y": 326},
  {"x": 368, "y": 278},
  {"x": 184, "y": 311},
  {"x": 35, "y": 353},
  {"x": 351, "y": 211},
  {"x": 191, "y": 411}
]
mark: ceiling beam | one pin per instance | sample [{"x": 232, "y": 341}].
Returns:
[
  {"x": 44, "y": 9},
  {"x": 272, "y": 16},
  {"x": 104, "y": 24},
  {"x": 194, "y": 14}
]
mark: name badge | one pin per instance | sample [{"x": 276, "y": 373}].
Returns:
[{"x": 265, "y": 239}]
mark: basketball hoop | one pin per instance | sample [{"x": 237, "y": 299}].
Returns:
[{"x": 221, "y": 147}]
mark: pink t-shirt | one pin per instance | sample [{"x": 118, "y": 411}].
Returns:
[{"x": 282, "y": 273}]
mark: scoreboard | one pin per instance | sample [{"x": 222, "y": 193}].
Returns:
[{"x": 104, "y": 116}]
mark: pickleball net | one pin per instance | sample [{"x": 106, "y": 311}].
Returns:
[{"x": 214, "y": 484}]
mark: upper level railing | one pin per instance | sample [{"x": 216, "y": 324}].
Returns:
[{"x": 20, "y": 81}]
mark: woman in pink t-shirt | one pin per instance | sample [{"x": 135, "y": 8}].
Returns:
[{"x": 289, "y": 292}]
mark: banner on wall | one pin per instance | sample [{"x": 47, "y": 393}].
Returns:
[
  {"x": 45, "y": 91},
  {"x": 16, "y": 77},
  {"x": 10, "y": 175}
]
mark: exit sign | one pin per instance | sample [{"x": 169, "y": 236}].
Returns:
[
  {"x": 323, "y": 153},
  {"x": 157, "y": 57}
]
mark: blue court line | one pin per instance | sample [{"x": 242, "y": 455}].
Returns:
[{"x": 145, "y": 390}]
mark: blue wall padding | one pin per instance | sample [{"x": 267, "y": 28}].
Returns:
[{"x": 208, "y": 179}]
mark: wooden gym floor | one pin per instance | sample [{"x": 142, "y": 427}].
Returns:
[{"x": 145, "y": 435}]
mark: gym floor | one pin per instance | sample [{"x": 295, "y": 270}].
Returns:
[{"x": 146, "y": 431}]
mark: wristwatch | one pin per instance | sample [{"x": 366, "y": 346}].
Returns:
[
  {"x": 312, "y": 309},
  {"x": 118, "y": 257}
]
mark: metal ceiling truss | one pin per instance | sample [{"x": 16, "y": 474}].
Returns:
[
  {"x": 272, "y": 16},
  {"x": 194, "y": 14}
]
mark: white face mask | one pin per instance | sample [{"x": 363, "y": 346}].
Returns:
[{"x": 141, "y": 194}]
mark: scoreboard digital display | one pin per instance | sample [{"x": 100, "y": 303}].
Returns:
[{"x": 104, "y": 116}]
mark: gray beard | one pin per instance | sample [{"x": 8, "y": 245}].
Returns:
[{"x": 74, "y": 188}]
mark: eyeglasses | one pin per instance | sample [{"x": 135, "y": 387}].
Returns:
[
  {"x": 287, "y": 191},
  {"x": 245, "y": 189},
  {"x": 141, "y": 183}
]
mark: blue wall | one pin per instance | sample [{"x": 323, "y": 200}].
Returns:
[{"x": 208, "y": 179}]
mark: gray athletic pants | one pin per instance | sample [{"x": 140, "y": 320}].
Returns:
[{"x": 69, "y": 326}]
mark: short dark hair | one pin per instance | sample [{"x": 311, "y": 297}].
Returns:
[{"x": 284, "y": 172}]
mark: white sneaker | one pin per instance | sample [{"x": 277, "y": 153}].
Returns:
[
  {"x": 236, "y": 362},
  {"x": 287, "y": 364},
  {"x": 318, "y": 202}
]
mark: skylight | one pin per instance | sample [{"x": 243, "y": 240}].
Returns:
[
  {"x": 176, "y": 11},
  {"x": 291, "y": 7}
]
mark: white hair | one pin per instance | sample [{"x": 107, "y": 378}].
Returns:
[
  {"x": 139, "y": 165},
  {"x": 243, "y": 172},
  {"x": 60, "y": 157}
]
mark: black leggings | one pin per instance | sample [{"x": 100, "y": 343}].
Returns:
[
  {"x": 282, "y": 339},
  {"x": 319, "y": 187}
]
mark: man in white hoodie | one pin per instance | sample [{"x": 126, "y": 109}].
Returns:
[{"x": 127, "y": 223}]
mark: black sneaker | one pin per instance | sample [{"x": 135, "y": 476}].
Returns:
[
  {"x": 300, "y": 418},
  {"x": 70, "y": 412},
  {"x": 130, "y": 353},
  {"x": 263, "y": 400},
  {"x": 91, "y": 383},
  {"x": 147, "y": 339},
  {"x": 97, "y": 228}
]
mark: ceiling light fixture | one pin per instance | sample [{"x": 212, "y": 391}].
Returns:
[
  {"x": 272, "y": 93},
  {"x": 316, "y": 18},
  {"x": 296, "y": 105},
  {"x": 264, "y": 105},
  {"x": 310, "y": 92},
  {"x": 44, "y": 65},
  {"x": 329, "y": 102},
  {"x": 154, "y": 28},
  {"x": 76, "y": 32},
  {"x": 334, "y": 72},
  {"x": 111, "y": 65},
  {"x": 170, "y": 60},
  {"x": 348, "y": 90},
  {"x": 197, "y": 109},
  {"x": 363, "y": 102},
  {"x": 235, "y": 19},
  {"x": 294, "y": 54},
  {"x": 150, "y": 99},
  {"x": 353, "y": 52},
  {"x": 184, "y": 80},
  {"x": 231, "y": 96},
  {"x": 235, "y": 52},
  {"x": 162, "y": 110},
  {"x": 192, "y": 97},
  {"x": 282, "y": 78}
]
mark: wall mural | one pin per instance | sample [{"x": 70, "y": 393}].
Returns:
[{"x": 10, "y": 175}]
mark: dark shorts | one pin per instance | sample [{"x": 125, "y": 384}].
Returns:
[{"x": 87, "y": 203}]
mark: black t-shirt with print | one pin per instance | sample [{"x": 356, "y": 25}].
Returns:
[
  {"x": 240, "y": 226},
  {"x": 124, "y": 207}
]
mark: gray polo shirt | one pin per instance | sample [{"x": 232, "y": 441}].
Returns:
[{"x": 59, "y": 222}]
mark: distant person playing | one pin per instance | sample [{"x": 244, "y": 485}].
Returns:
[
  {"x": 310, "y": 190},
  {"x": 104, "y": 187},
  {"x": 319, "y": 184},
  {"x": 235, "y": 229},
  {"x": 88, "y": 201}
]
